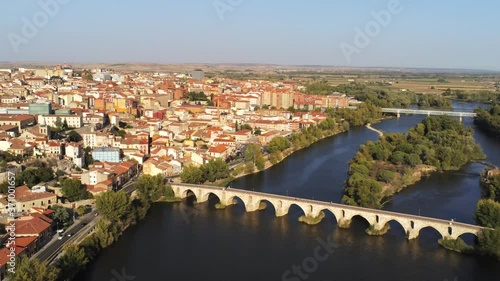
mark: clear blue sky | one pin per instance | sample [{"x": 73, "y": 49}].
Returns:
[{"x": 427, "y": 33}]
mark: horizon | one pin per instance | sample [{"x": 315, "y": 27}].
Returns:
[{"x": 371, "y": 34}]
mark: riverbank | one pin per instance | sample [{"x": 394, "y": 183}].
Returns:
[{"x": 240, "y": 171}]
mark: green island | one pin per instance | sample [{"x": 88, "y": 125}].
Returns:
[
  {"x": 489, "y": 120},
  {"x": 439, "y": 143},
  {"x": 384, "y": 167}
]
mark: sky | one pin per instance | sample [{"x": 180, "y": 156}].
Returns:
[{"x": 383, "y": 33}]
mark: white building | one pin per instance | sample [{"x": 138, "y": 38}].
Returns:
[{"x": 73, "y": 121}]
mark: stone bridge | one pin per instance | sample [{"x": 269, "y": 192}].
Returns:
[{"x": 377, "y": 219}]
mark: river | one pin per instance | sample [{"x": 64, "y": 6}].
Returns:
[{"x": 186, "y": 242}]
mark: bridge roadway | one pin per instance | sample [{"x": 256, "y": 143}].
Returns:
[
  {"x": 377, "y": 219},
  {"x": 400, "y": 111}
]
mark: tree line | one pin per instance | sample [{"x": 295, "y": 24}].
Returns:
[
  {"x": 488, "y": 215},
  {"x": 489, "y": 120},
  {"x": 381, "y": 96}
]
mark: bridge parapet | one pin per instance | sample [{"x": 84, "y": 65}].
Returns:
[{"x": 377, "y": 219}]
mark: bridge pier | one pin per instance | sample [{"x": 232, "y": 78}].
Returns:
[
  {"x": 412, "y": 234},
  {"x": 252, "y": 205},
  {"x": 227, "y": 200},
  {"x": 344, "y": 222},
  {"x": 398, "y": 115},
  {"x": 281, "y": 209}
]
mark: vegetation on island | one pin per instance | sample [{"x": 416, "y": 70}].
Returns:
[
  {"x": 382, "y": 168},
  {"x": 488, "y": 215},
  {"x": 489, "y": 120}
]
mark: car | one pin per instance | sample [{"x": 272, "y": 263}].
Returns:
[
  {"x": 83, "y": 224},
  {"x": 69, "y": 234},
  {"x": 60, "y": 237}
]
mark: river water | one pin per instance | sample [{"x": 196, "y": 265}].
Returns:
[{"x": 186, "y": 242}]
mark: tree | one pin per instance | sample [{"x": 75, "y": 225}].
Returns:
[
  {"x": 81, "y": 210},
  {"x": 386, "y": 176},
  {"x": 413, "y": 160},
  {"x": 113, "y": 205},
  {"x": 489, "y": 242},
  {"x": 278, "y": 144},
  {"x": 215, "y": 170},
  {"x": 252, "y": 151},
  {"x": 72, "y": 261},
  {"x": 192, "y": 174},
  {"x": 61, "y": 214},
  {"x": 488, "y": 213},
  {"x": 106, "y": 233},
  {"x": 249, "y": 167},
  {"x": 151, "y": 187},
  {"x": 258, "y": 131},
  {"x": 260, "y": 162},
  {"x": 246, "y": 127},
  {"x": 65, "y": 124},
  {"x": 58, "y": 123},
  {"x": 74, "y": 190},
  {"x": 33, "y": 270},
  {"x": 358, "y": 168},
  {"x": 74, "y": 136}
]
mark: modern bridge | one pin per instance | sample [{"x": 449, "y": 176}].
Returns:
[
  {"x": 377, "y": 219},
  {"x": 399, "y": 111}
]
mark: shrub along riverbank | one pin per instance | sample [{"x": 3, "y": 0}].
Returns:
[{"x": 395, "y": 161}]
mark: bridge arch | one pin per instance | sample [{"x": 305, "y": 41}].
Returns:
[
  {"x": 303, "y": 207},
  {"x": 187, "y": 193},
  {"x": 367, "y": 220},
  {"x": 406, "y": 227},
  {"x": 469, "y": 238},
  {"x": 199, "y": 194},
  {"x": 442, "y": 232},
  {"x": 336, "y": 214}
]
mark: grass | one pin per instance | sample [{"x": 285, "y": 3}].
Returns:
[
  {"x": 457, "y": 245},
  {"x": 312, "y": 220},
  {"x": 376, "y": 232}
]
